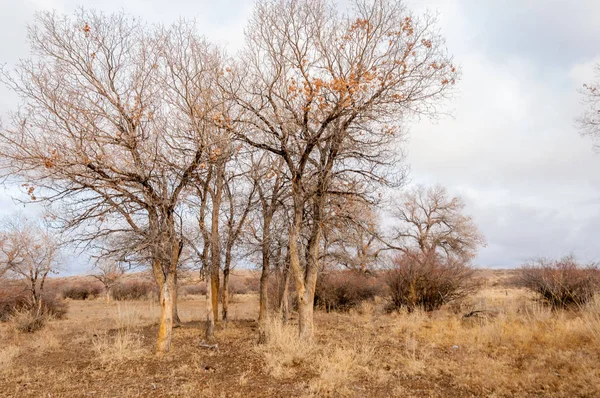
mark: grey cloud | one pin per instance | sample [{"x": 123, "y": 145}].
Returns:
[{"x": 511, "y": 149}]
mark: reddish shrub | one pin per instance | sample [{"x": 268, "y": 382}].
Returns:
[
  {"x": 196, "y": 289},
  {"x": 428, "y": 282},
  {"x": 134, "y": 290},
  {"x": 81, "y": 290},
  {"x": 561, "y": 283},
  {"x": 343, "y": 290},
  {"x": 15, "y": 300},
  {"x": 237, "y": 285},
  {"x": 252, "y": 282}
]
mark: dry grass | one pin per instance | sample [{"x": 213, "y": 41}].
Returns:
[
  {"x": 521, "y": 349},
  {"x": 283, "y": 352},
  {"x": 117, "y": 347},
  {"x": 7, "y": 354}
]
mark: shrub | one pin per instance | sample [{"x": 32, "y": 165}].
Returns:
[
  {"x": 275, "y": 288},
  {"x": 14, "y": 300},
  {"x": 54, "y": 307},
  {"x": 28, "y": 322},
  {"x": 237, "y": 285},
  {"x": 561, "y": 283},
  {"x": 82, "y": 290},
  {"x": 343, "y": 290},
  {"x": 253, "y": 282},
  {"x": 11, "y": 301},
  {"x": 428, "y": 282},
  {"x": 196, "y": 289},
  {"x": 134, "y": 290}
]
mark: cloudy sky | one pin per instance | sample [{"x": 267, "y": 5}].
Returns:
[{"x": 510, "y": 149}]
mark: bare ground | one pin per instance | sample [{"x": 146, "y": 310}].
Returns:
[{"x": 519, "y": 350}]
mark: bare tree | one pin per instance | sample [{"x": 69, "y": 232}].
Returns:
[
  {"x": 29, "y": 252},
  {"x": 351, "y": 236},
  {"x": 269, "y": 181},
  {"x": 113, "y": 125},
  {"x": 109, "y": 273},
  {"x": 433, "y": 222},
  {"x": 239, "y": 195},
  {"x": 328, "y": 92},
  {"x": 589, "y": 121}
]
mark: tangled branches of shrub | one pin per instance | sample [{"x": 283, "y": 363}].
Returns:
[
  {"x": 134, "y": 290},
  {"x": 562, "y": 283},
  {"x": 82, "y": 290},
  {"x": 14, "y": 300},
  {"x": 428, "y": 281},
  {"x": 343, "y": 290}
]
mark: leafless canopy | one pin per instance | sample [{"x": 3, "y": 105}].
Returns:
[
  {"x": 328, "y": 93},
  {"x": 589, "y": 121},
  {"x": 115, "y": 121},
  {"x": 432, "y": 221},
  {"x": 28, "y": 252}
]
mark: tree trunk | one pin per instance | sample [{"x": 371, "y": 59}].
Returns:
[
  {"x": 210, "y": 319},
  {"x": 306, "y": 301},
  {"x": 176, "y": 320},
  {"x": 107, "y": 295},
  {"x": 264, "y": 276},
  {"x": 225, "y": 292},
  {"x": 285, "y": 294},
  {"x": 302, "y": 278},
  {"x": 263, "y": 314},
  {"x": 165, "y": 329},
  {"x": 215, "y": 240}
]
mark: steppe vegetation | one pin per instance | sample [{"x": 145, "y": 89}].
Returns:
[
  {"x": 501, "y": 342},
  {"x": 247, "y": 223}
]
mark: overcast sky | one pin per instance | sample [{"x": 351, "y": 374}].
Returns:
[{"x": 511, "y": 148}]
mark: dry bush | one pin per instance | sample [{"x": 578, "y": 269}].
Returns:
[
  {"x": 528, "y": 350},
  {"x": 15, "y": 300},
  {"x": 196, "y": 289},
  {"x": 81, "y": 290},
  {"x": 428, "y": 282},
  {"x": 332, "y": 366},
  {"x": 12, "y": 299},
  {"x": 275, "y": 289},
  {"x": 344, "y": 290},
  {"x": 562, "y": 283},
  {"x": 338, "y": 365},
  {"x": 54, "y": 307},
  {"x": 253, "y": 282},
  {"x": 129, "y": 316},
  {"x": 27, "y": 321},
  {"x": 134, "y": 290},
  {"x": 238, "y": 285}
]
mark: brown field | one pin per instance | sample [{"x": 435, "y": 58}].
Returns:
[{"x": 517, "y": 349}]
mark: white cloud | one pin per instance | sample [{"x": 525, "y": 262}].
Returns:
[{"x": 512, "y": 149}]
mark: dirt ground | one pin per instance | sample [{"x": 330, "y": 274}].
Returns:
[{"x": 520, "y": 350}]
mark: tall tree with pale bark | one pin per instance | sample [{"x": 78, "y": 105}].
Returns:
[
  {"x": 113, "y": 127},
  {"x": 328, "y": 93}
]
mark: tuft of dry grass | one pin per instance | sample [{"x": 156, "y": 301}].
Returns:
[
  {"x": 332, "y": 366},
  {"x": 338, "y": 366},
  {"x": 117, "y": 347},
  {"x": 132, "y": 315},
  {"x": 283, "y": 351},
  {"x": 7, "y": 354}
]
